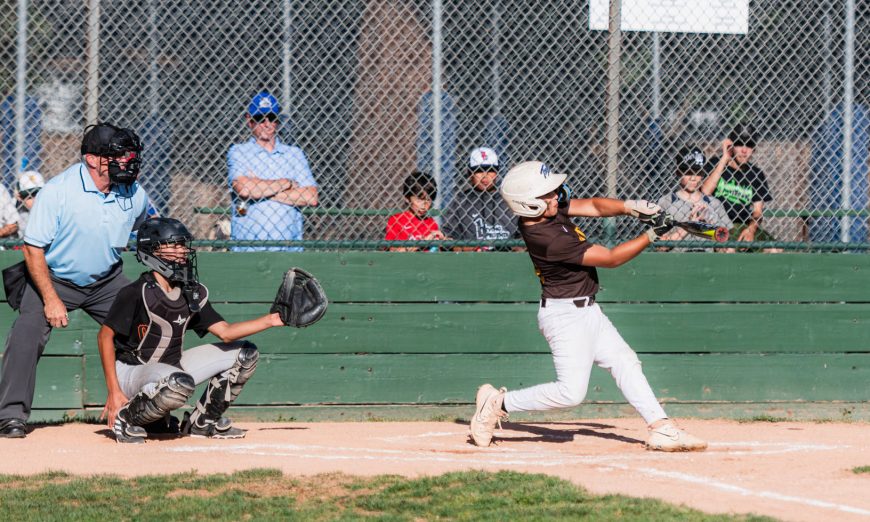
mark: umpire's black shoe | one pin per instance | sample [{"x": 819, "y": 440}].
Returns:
[{"x": 13, "y": 428}]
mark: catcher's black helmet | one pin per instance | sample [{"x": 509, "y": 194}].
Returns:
[{"x": 179, "y": 266}]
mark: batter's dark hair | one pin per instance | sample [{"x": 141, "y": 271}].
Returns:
[{"x": 418, "y": 183}]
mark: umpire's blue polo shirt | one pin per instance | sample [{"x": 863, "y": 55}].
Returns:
[{"x": 81, "y": 228}]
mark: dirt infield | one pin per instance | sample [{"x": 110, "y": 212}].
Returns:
[{"x": 789, "y": 470}]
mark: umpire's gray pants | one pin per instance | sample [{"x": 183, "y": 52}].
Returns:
[{"x": 30, "y": 333}]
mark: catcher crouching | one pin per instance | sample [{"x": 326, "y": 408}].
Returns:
[{"x": 148, "y": 375}]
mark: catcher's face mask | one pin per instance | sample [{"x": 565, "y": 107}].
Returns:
[{"x": 175, "y": 260}]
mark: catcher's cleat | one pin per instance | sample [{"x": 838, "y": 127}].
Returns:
[
  {"x": 222, "y": 429},
  {"x": 668, "y": 437},
  {"x": 127, "y": 432},
  {"x": 487, "y": 414}
]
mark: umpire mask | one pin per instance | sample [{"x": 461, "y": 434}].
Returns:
[
  {"x": 112, "y": 143},
  {"x": 163, "y": 245}
]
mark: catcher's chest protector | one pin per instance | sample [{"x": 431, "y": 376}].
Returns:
[{"x": 168, "y": 321}]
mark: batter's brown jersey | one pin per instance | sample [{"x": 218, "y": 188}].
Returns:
[{"x": 556, "y": 247}]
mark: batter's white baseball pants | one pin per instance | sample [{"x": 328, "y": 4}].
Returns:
[{"x": 579, "y": 337}]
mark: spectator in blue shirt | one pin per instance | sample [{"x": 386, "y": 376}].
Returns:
[
  {"x": 78, "y": 225},
  {"x": 268, "y": 180}
]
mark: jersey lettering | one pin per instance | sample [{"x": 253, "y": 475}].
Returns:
[{"x": 733, "y": 192}]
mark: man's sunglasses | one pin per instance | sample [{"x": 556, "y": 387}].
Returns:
[
  {"x": 29, "y": 193},
  {"x": 750, "y": 144},
  {"x": 260, "y": 118}
]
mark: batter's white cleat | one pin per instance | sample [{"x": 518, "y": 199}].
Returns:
[
  {"x": 668, "y": 437},
  {"x": 487, "y": 414}
]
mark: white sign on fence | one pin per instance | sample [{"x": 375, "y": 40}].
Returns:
[{"x": 675, "y": 16}]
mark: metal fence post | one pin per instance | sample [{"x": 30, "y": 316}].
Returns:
[
  {"x": 848, "y": 113},
  {"x": 614, "y": 48},
  {"x": 92, "y": 88},
  {"x": 437, "y": 42},
  {"x": 20, "y": 84}
]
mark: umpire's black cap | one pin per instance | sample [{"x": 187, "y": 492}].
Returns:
[{"x": 107, "y": 140}]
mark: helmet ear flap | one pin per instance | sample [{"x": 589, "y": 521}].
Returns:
[{"x": 537, "y": 207}]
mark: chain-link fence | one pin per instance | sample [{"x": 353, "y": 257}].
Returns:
[{"x": 373, "y": 90}]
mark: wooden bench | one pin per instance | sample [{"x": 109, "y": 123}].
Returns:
[{"x": 412, "y": 335}]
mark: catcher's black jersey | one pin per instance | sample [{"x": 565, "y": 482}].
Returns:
[
  {"x": 149, "y": 324},
  {"x": 556, "y": 247}
]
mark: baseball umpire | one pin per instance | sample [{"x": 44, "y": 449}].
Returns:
[
  {"x": 578, "y": 332},
  {"x": 141, "y": 339},
  {"x": 80, "y": 221}
]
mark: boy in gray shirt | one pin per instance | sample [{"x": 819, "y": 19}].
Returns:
[
  {"x": 479, "y": 213},
  {"x": 688, "y": 203}
]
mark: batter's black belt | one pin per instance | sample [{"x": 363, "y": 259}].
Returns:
[{"x": 580, "y": 302}]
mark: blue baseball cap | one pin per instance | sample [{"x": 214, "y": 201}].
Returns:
[{"x": 264, "y": 103}]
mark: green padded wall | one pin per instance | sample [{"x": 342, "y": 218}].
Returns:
[{"x": 408, "y": 329}]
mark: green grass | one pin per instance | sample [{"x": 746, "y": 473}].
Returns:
[
  {"x": 764, "y": 418},
  {"x": 861, "y": 469},
  {"x": 266, "y": 494}
]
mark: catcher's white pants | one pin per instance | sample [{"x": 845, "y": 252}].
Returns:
[
  {"x": 202, "y": 363},
  {"x": 578, "y": 338}
]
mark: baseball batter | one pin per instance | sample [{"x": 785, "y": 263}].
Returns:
[{"x": 579, "y": 334}]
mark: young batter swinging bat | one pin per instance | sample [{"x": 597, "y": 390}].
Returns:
[{"x": 704, "y": 230}]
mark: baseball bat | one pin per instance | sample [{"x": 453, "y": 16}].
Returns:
[{"x": 704, "y": 230}]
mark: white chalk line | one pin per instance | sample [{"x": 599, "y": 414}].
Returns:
[
  {"x": 502, "y": 456},
  {"x": 486, "y": 458},
  {"x": 429, "y": 435},
  {"x": 773, "y": 448},
  {"x": 731, "y": 488}
]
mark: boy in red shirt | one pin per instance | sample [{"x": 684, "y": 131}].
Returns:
[{"x": 419, "y": 190}]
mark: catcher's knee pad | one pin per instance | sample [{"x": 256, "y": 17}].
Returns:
[
  {"x": 246, "y": 362},
  {"x": 169, "y": 394}
]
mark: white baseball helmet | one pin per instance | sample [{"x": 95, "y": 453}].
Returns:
[{"x": 524, "y": 185}]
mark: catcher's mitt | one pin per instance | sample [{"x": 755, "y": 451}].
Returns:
[{"x": 300, "y": 301}]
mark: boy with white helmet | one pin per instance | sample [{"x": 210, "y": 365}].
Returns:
[
  {"x": 8, "y": 215},
  {"x": 578, "y": 332},
  {"x": 29, "y": 184}
]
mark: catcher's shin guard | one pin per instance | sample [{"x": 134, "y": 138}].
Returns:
[
  {"x": 205, "y": 419},
  {"x": 169, "y": 394}
]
